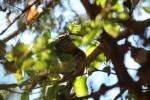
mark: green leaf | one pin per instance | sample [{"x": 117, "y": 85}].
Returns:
[
  {"x": 40, "y": 45},
  {"x": 90, "y": 48},
  {"x": 91, "y": 69},
  {"x": 93, "y": 32},
  {"x": 80, "y": 86},
  {"x": 19, "y": 76},
  {"x": 20, "y": 49},
  {"x": 55, "y": 76},
  {"x": 90, "y": 36},
  {"x": 101, "y": 2},
  {"x": 52, "y": 92},
  {"x": 77, "y": 40},
  {"x": 45, "y": 54},
  {"x": 24, "y": 97},
  {"x": 31, "y": 73},
  {"x": 40, "y": 65},
  {"x": 118, "y": 7},
  {"x": 27, "y": 63},
  {"x": 10, "y": 56},
  {"x": 50, "y": 44},
  {"x": 112, "y": 28},
  {"x": 96, "y": 24},
  {"x": 113, "y": 2},
  {"x": 96, "y": 64},
  {"x": 101, "y": 57},
  {"x": 147, "y": 9},
  {"x": 47, "y": 34},
  {"x": 74, "y": 28},
  {"x": 123, "y": 16}
]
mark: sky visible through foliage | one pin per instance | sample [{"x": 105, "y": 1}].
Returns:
[{"x": 93, "y": 83}]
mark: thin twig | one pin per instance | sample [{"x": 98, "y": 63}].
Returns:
[
  {"x": 49, "y": 5},
  {"x": 14, "y": 34},
  {"x": 119, "y": 95},
  {"x": 95, "y": 95},
  {"x": 27, "y": 8}
]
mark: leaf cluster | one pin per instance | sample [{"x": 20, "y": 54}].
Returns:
[{"x": 61, "y": 69}]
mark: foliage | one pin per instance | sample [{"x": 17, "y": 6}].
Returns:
[{"x": 57, "y": 65}]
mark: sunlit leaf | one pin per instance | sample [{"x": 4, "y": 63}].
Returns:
[
  {"x": 147, "y": 9},
  {"x": 47, "y": 34},
  {"x": 95, "y": 24},
  {"x": 118, "y": 7},
  {"x": 101, "y": 2},
  {"x": 96, "y": 64},
  {"x": 55, "y": 76},
  {"x": 24, "y": 97},
  {"x": 123, "y": 16},
  {"x": 74, "y": 28},
  {"x": 45, "y": 54},
  {"x": 50, "y": 44},
  {"x": 91, "y": 47},
  {"x": 77, "y": 41},
  {"x": 27, "y": 63},
  {"x": 19, "y": 76},
  {"x": 101, "y": 57},
  {"x": 40, "y": 44},
  {"x": 89, "y": 37},
  {"x": 91, "y": 69},
  {"x": 10, "y": 56},
  {"x": 50, "y": 41},
  {"x": 112, "y": 28},
  {"x": 80, "y": 86},
  {"x": 93, "y": 31},
  {"x": 39, "y": 65}
]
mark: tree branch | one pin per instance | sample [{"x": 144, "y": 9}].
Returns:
[
  {"x": 95, "y": 95},
  {"x": 23, "y": 28},
  {"x": 27, "y": 8},
  {"x": 6, "y": 86},
  {"x": 91, "y": 9},
  {"x": 111, "y": 50},
  {"x": 14, "y": 33}
]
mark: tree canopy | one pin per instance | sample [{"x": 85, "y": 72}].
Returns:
[{"x": 68, "y": 47}]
